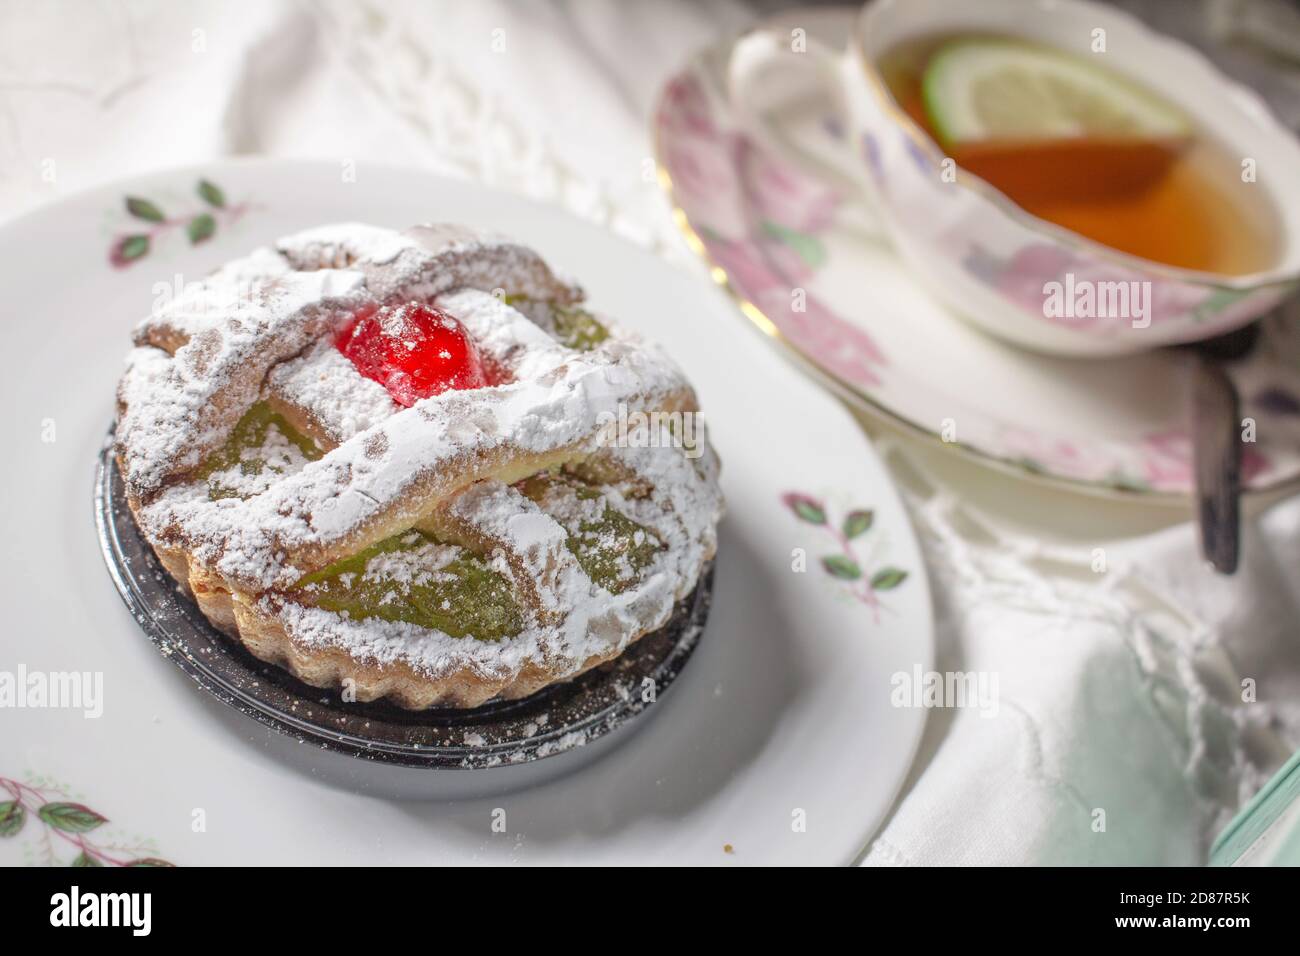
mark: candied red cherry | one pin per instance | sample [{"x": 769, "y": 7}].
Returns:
[{"x": 413, "y": 350}]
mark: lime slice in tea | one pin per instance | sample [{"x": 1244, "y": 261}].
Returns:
[{"x": 990, "y": 89}]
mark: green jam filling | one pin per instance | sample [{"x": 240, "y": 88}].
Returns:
[
  {"x": 574, "y": 327},
  {"x": 463, "y": 598},
  {"x": 578, "y": 328},
  {"x": 603, "y": 546},
  {"x": 613, "y": 549},
  {"x": 246, "y": 448}
]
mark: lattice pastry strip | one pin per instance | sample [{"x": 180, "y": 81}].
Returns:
[
  {"x": 223, "y": 339},
  {"x": 427, "y": 260},
  {"x": 494, "y": 519}
]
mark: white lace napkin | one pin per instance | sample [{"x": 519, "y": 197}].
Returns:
[
  {"x": 1117, "y": 693},
  {"x": 1120, "y": 733}
]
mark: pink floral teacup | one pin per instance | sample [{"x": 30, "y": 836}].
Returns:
[{"x": 1007, "y": 271}]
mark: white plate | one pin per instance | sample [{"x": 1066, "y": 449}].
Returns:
[
  {"x": 867, "y": 323},
  {"x": 782, "y": 716}
]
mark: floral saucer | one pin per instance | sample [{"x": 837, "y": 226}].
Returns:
[{"x": 774, "y": 236}]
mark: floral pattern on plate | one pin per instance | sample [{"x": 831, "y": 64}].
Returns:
[
  {"x": 59, "y": 830},
  {"x": 147, "y": 222},
  {"x": 863, "y": 579}
]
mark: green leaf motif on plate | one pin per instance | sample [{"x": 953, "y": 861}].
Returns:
[
  {"x": 144, "y": 209},
  {"x": 132, "y": 248},
  {"x": 201, "y": 227},
  {"x": 858, "y": 523},
  {"x": 842, "y": 567},
  {"x": 12, "y": 816},
  {"x": 211, "y": 194},
  {"x": 805, "y": 507},
  {"x": 71, "y": 817},
  {"x": 886, "y": 579}
]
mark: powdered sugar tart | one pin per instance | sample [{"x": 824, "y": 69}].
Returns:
[{"x": 383, "y": 460}]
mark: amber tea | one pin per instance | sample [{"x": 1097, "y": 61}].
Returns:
[{"x": 1076, "y": 144}]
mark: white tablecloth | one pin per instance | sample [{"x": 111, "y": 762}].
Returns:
[{"x": 1121, "y": 735}]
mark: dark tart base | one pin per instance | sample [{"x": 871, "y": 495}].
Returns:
[{"x": 556, "y": 719}]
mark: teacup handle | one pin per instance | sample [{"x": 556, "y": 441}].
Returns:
[{"x": 757, "y": 62}]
